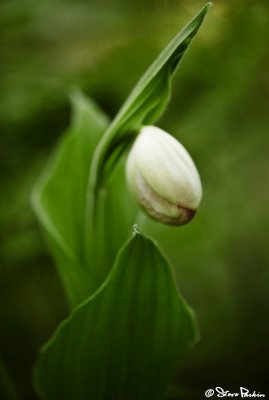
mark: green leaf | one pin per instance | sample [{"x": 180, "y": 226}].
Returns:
[
  {"x": 125, "y": 341},
  {"x": 145, "y": 103},
  {"x": 59, "y": 198}
]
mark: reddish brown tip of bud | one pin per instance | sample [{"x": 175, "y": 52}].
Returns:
[{"x": 187, "y": 215}]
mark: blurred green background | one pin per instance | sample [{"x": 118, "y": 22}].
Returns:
[{"x": 219, "y": 111}]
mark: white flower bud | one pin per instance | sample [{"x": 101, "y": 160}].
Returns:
[{"x": 163, "y": 177}]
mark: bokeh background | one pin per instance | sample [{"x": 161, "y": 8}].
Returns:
[{"x": 219, "y": 111}]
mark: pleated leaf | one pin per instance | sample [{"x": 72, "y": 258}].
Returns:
[{"x": 124, "y": 342}]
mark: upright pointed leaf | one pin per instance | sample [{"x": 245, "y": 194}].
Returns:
[
  {"x": 124, "y": 342},
  {"x": 145, "y": 103}
]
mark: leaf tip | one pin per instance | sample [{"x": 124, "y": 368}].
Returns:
[
  {"x": 202, "y": 13},
  {"x": 207, "y": 6}
]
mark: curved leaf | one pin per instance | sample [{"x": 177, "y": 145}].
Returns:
[
  {"x": 125, "y": 341},
  {"x": 145, "y": 103},
  {"x": 59, "y": 198}
]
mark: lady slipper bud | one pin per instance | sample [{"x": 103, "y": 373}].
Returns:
[{"x": 163, "y": 177}]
